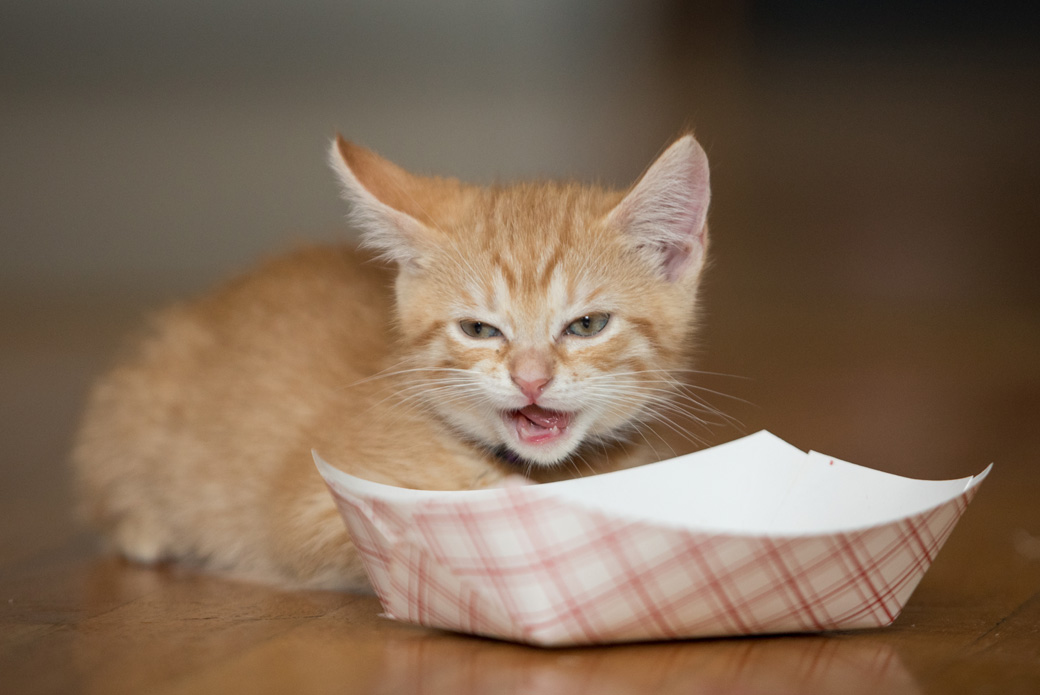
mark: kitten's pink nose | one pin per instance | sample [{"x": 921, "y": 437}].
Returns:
[
  {"x": 531, "y": 370},
  {"x": 532, "y": 388}
]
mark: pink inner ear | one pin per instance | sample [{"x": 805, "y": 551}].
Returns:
[
  {"x": 678, "y": 259},
  {"x": 666, "y": 210},
  {"x": 684, "y": 245},
  {"x": 678, "y": 241}
]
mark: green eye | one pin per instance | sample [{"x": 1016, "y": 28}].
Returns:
[
  {"x": 588, "y": 326},
  {"x": 478, "y": 329}
]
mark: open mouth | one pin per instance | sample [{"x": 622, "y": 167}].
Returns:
[{"x": 537, "y": 425}]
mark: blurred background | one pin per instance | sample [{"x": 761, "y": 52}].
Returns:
[{"x": 875, "y": 220}]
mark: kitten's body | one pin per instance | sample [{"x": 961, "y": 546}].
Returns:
[{"x": 197, "y": 446}]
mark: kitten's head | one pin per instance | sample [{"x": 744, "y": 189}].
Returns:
[{"x": 539, "y": 316}]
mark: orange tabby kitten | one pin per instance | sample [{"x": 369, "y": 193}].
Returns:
[{"x": 533, "y": 328}]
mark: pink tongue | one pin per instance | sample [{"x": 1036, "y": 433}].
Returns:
[{"x": 546, "y": 418}]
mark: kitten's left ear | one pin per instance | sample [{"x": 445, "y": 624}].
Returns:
[
  {"x": 385, "y": 201},
  {"x": 665, "y": 212}
]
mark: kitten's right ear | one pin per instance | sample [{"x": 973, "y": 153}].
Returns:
[
  {"x": 664, "y": 213},
  {"x": 382, "y": 198}
]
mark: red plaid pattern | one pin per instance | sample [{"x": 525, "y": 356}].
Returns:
[{"x": 520, "y": 565}]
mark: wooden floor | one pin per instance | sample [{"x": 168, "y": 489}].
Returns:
[
  {"x": 927, "y": 395},
  {"x": 884, "y": 312}
]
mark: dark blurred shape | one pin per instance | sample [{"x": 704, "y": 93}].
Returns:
[{"x": 970, "y": 23}]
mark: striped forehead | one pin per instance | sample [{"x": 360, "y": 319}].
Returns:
[
  {"x": 536, "y": 291},
  {"x": 528, "y": 265}
]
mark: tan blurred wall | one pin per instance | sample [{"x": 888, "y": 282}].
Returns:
[{"x": 155, "y": 146}]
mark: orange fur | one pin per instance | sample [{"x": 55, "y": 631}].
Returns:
[{"x": 196, "y": 447}]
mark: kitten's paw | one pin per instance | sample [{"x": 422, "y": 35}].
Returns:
[
  {"x": 140, "y": 541},
  {"x": 514, "y": 480}
]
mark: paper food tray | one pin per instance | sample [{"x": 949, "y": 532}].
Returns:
[{"x": 750, "y": 537}]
